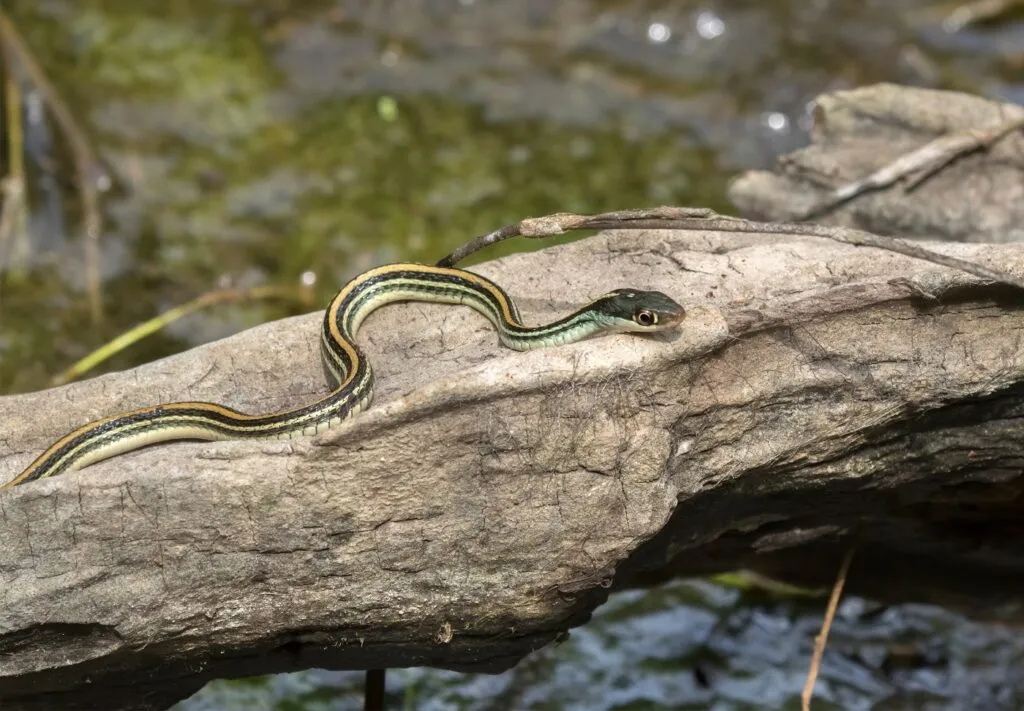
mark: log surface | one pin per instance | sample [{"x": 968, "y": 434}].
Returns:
[{"x": 818, "y": 394}]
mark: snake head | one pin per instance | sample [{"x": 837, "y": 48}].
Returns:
[{"x": 639, "y": 311}]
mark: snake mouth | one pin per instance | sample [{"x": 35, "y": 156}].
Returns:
[{"x": 672, "y": 320}]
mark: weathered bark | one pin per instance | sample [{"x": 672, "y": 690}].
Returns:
[{"x": 816, "y": 390}]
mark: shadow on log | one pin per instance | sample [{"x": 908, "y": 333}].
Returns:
[{"x": 817, "y": 395}]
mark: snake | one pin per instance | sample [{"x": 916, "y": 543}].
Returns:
[{"x": 346, "y": 367}]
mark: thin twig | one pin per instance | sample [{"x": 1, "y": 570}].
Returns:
[
  {"x": 373, "y": 690},
  {"x": 562, "y": 222},
  {"x": 683, "y": 218},
  {"x": 978, "y": 11},
  {"x": 13, "y": 105},
  {"x": 861, "y": 238},
  {"x": 89, "y": 173},
  {"x": 826, "y": 625},
  {"x": 132, "y": 336},
  {"x": 12, "y": 214},
  {"x": 916, "y": 166}
]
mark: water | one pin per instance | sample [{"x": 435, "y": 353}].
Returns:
[{"x": 695, "y": 645}]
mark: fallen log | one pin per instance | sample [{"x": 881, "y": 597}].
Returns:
[{"x": 818, "y": 394}]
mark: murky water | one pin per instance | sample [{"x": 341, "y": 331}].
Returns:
[
  {"x": 697, "y": 645},
  {"x": 250, "y": 142}
]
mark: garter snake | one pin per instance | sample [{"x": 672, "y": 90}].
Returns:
[{"x": 345, "y": 366}]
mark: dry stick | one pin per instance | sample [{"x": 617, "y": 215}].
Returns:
[
  {"x": 12, "y": 187},
  {"x": 916, "y": 166},
  {"x": 302, "y": 293},
  {"x": 861, "y": 238},
  {"x": 826, "y": 625},
  {"x": 373, "y": 690},
  {"x": 12, "y": 214},
  {"x": 88, "y": 170},
  {"x": 15, "y": 131},
  {"x": 561, "y": 222},
  {"x": 978, "y": 11},
  {"x": 952, "y": 147},
  {"x": 684, "y": 218}
]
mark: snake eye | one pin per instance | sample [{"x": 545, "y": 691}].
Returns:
[{"x": 645, "y": 318}]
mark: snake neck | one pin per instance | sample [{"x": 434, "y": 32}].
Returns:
[{"x": 387, "y": 285}]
